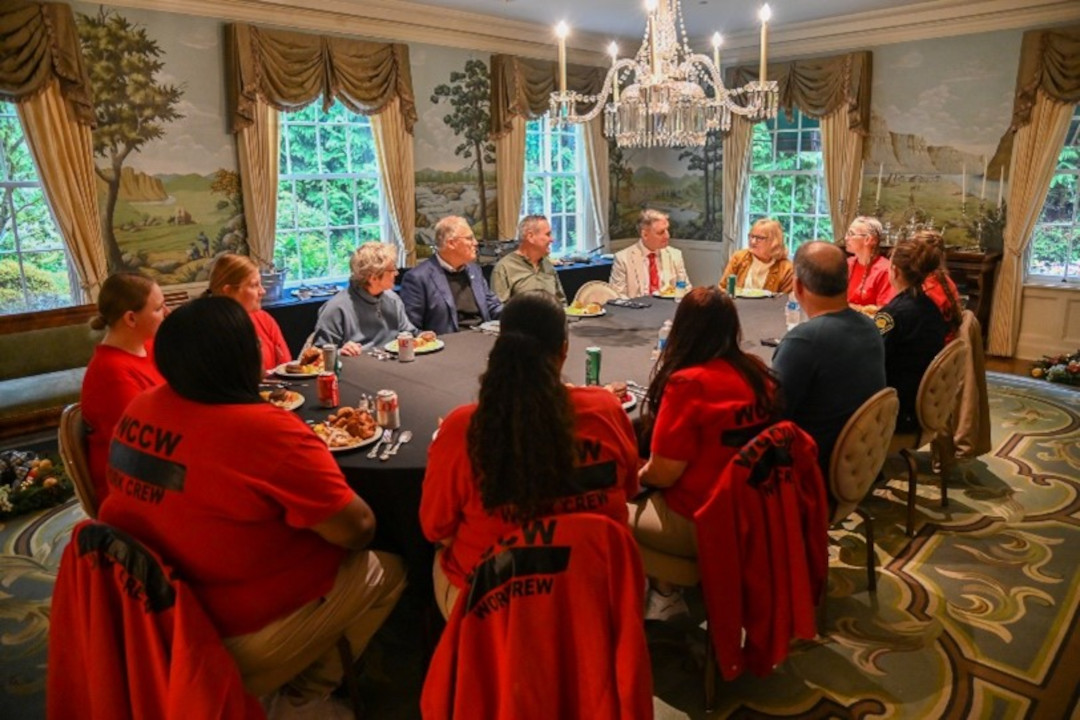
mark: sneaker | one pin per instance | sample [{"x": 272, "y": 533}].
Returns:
[
  {"x": 285, "y": 707},
  {"x": 664, "y": 607}
]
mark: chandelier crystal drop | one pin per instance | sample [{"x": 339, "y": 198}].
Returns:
[{"x": 666, "y": 96}]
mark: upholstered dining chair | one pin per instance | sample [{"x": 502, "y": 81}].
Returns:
[
  {"x": 935, "y": 405},
  {"x": 595, "y": 291},
  {"x": 857, "y": 458},
  {"x": 72, "y": 440}
]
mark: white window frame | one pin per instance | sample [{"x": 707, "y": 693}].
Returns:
[
  {"x": 821, "y": 217},
  {"x": 19, "y": 253},
  {"x": 587, "y": 236},
  {"x": 1070, "y": 273},
  {"x": 286, "y": 176}
]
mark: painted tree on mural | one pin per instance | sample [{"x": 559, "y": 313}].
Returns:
[
  {"x": 707, "y": 161},
  {"x": 131, "y": 106},
  {"x": 622, "y": 182},
  {"x": 469, "y": 94}
]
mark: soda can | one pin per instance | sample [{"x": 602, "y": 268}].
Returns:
[
  {"x": 327, "y": 385},
  {"x": 592, "y": 366},
  {"x": 387, "y": 412},
  {"x": 731, "y": 285},
  {"x": 329, "y": 357},
  {"x": 406, "y": 347}
]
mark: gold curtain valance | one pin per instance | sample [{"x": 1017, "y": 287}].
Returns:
[
  {"x": 820, "y": 86},
  {"x": 1050, "y": 62},
  {"x": 39, "y": 43},
  {"x": 290, "y": 70},
  {"x": 522, "y": 87}
]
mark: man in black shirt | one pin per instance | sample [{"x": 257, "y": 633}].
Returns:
[
  {"x": 447, "y": 292},
  {"x": 831, "y": 364}
]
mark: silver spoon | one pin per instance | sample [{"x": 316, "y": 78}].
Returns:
[{"x": 392, "y": 450}]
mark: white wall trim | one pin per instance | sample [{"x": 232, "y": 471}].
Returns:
[
  {"x": 403, "y": 21},
  {"x": 1049, "y": 321}
]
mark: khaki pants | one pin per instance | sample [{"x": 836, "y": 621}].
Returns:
[
  {"x": 657, "y": 526},
  {"x": 301, "y": 649},
  {"x": 446, "y": 592}
]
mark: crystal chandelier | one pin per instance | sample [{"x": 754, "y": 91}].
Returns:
[{"x": 673, "y": 97}]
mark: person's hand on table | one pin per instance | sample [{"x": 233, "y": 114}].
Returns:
[{"x": 351, "y": 349}]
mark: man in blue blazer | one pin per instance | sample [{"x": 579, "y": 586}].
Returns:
[{"x": 447, "y": 292}]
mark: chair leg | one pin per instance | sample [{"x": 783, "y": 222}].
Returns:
[
  {"x": 349, "y": 677},
  {"x": 946, "y": 453},
  {"x": 710, "y": 673},
  {"x": 912, "y": 478},
  {"x": 871, "y": 554}
]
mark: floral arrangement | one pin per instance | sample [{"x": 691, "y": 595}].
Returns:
[
  {"x": 1058, "y": 368},
  {"x": 29, "y": 482}
]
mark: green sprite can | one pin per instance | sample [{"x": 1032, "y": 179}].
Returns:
[
  {"x": 731, "y": 285},
  {"x": 592, "y": 366}
]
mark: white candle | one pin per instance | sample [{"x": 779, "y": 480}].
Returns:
[
  {"x": 963, "y": 184},
  {"x": 765, "y": 14},
  {"x": 561, "y": 31},
  {"x": 982, "y": 193},
  {"x": 717, "y": 41},
  {"x": 880, "y": 171},
  {"x": 613, "y": 50},
  {"x": 1001, "y": 185}
]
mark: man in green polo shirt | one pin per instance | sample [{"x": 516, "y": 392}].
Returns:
[{"x": 528, "y": 267}]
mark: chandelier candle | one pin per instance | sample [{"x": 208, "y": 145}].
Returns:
[
  {"x": 613, "y": 50},
  {"x": 561, "y": 31},
  {"x": 717, "y": 41},
  {"x": 764, "y": 15}
]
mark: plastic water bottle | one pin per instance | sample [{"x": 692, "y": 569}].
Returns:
[
  {"x": 792, "y": 312},
  {"x": 680, "y": 289},
  {"x": 661, "y": 339}
]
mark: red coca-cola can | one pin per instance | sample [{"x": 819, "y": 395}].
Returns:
[
  {"x": 387, "y": 413},
  {"x": 327, "y": 385}
]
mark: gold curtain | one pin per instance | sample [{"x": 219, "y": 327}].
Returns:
[
  {"x": 842, "y": 149},
  {"x": 1050, "y": 64},
  {"x": 510, "y": 175},
  {"x": 289, "y": 70},
  {"x": 397, "y": 175},
  {"x": 736, "y": 152},
  {"x": 39, "y": 44},
  {"x": 1034, "y": 158},
  {"x": 257, "y": 149},
  {"x": 522, "y": 87},
  {"x": 64, "y": 154},
  {"x": 596, "y": 156}
]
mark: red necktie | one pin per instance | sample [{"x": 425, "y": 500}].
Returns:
[{"x": 654, "y": 274}]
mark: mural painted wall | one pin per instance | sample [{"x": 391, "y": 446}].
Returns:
[
  {"x": 939, "y": 109},
  {"x": 169, "y": 190},
  {"x": 455, "y": 164}
]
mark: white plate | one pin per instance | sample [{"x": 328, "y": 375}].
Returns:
[
  {"x": 630, "y": 404},
  {"x": 280, "y": 370},
  {"x": 491, "y": 326},
  {"x": 753, "y": 293},
  {"x": 659, "y": 294},
  {"x": 294, "y": 402},
  {"x": 582, "y": 314},
  {"x": 391, "y": 347},
  {"x": 358, "y": 444}
]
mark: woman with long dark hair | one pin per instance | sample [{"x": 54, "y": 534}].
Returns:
[
  {"x": 130, "y": 310},
  {"x": 911, "y": 325},
  {"x": 250, "y": 508},
  {"x": 707, "y": 398},
  {"x": 531, "y": 446},
  {"x": 939, "y": 287}
]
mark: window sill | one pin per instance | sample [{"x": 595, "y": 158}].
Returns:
[{"x": 1051, "y": 284}]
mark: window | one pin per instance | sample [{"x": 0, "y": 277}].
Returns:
[
  {"x": 329, "y": 198},
  {"x": 787, "y": 178},
  {"x": 1054, "y": 253},
  {"x": 34, "y": 269},
  {"x": 556, "y": 184}
]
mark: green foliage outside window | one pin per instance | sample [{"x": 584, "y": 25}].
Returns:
[
  {"x": 554, "y": 182},
  {"x": 329, "y": 199},
  {"x": 33, "y": 263},
  {"x": 787, "y": 178},
  {"x": 1055, "y": 243}
]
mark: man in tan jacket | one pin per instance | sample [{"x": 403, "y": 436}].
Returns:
[{"x": 648, "y": 265}]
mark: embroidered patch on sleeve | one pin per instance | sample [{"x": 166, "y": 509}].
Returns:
[{"x": 884, "y": 322}]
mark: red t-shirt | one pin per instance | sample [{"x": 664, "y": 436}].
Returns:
[
  {"x": 869, "y": 285},
  {"x": 112, "y": 379},
  {"x": 450, "y": 506},
  {"x": 707, "y": 413},
  {"x": 227, "y": 494},
  {"x": 272, "y": 343}
]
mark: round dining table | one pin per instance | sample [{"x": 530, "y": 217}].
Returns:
[{"x": 435, "y": 383}]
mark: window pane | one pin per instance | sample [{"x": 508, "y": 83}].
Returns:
[
  {"x": 15, "y": 161},
  {"x": 339, "y": 202},
  {"x": 313, "y": 251},
  {"x": 303, "y": 150},
  {"x": 286, "y": 204},
  {"x": 367, "y": 201},
  {"x": 534, "y": 196},
  {"x": 334, "y": 141},
  {"x": 1072, "y": 272},
  {"x": 286, "y": 253},
  {"x": 342, "y": 245},
  {"x": 1049, "y": 248},
  {"x": 1060, "y": 202},
  {"x": 362, "y": 148},
  {"x": 533, "y": 147}
]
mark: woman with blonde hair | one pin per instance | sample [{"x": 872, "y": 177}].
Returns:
[
  {"x": 868, "y": 270},
  {"x": 764, "y": 265},
  {"x": 237, "y": 277},
  {"x": 368, "y": 313},
  {"x": 130, "y": 310}
]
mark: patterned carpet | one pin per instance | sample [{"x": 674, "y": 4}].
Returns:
[{"x": 976, "y": 617}]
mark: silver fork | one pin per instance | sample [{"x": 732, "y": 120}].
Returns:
[
  {"x": 386, "y": 435},
  {"x": 392, "y": 449}
]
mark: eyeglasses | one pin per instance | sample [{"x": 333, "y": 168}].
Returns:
[
  {"x": 852, "y": 234},
  {"x": 758, "y": 238},
  {"x": 467, "y": 238}
]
